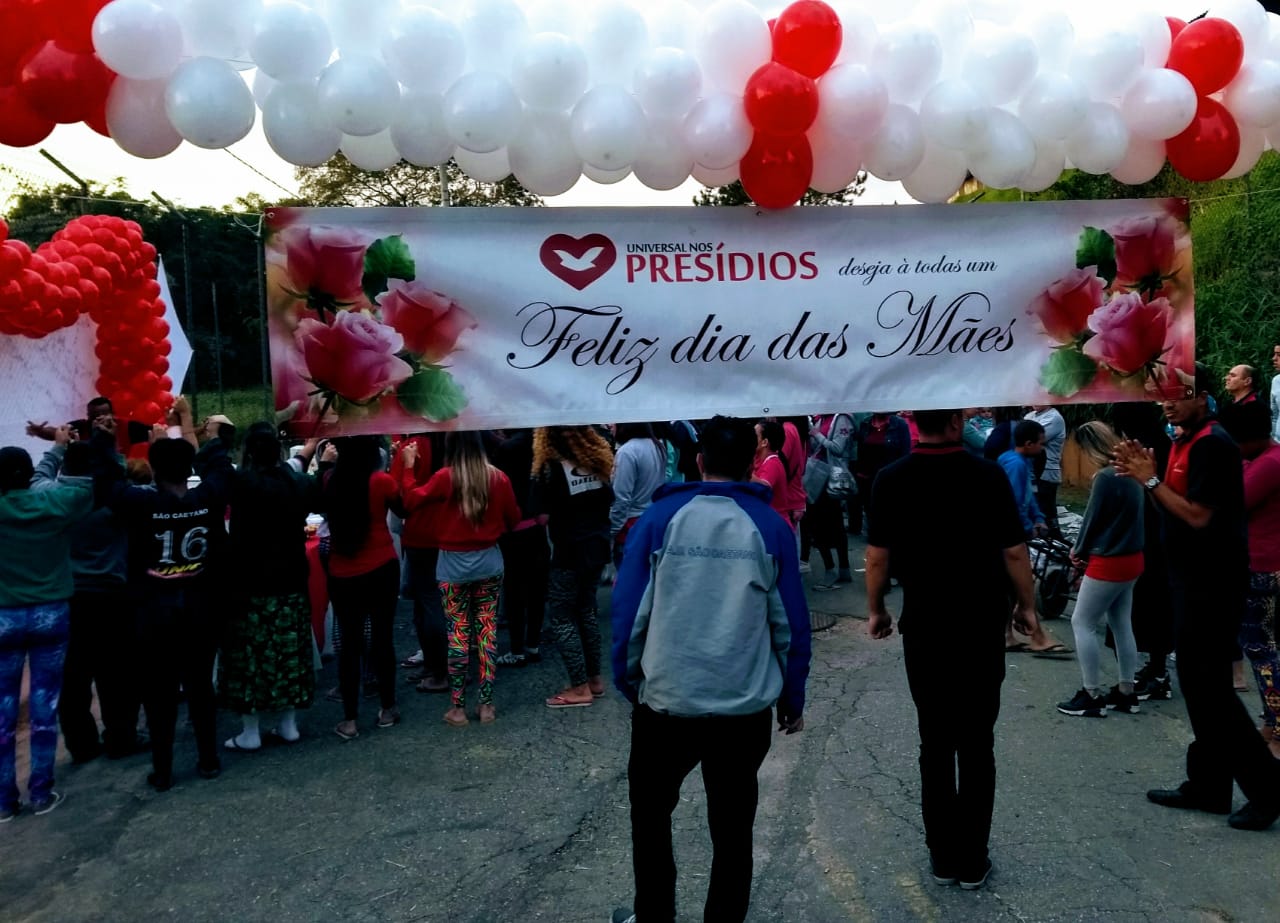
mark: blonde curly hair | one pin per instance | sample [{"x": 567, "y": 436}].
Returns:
[{"x": 581, "y": 446}]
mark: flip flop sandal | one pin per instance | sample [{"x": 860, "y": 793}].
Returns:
[
  {"x": 390, "y": 722},
  {"x": 488, "y": 719},
  {"x": 1057, "y": 652},
  {"x": 344, "y": 735},
  {"x": 456, "y": 722},
  {"x": 1017, "y": 647},
  {"x": 231, "y": 744},
  {"x": 559, "y": 701},
  {"x": 599, "y": 695},
  {"x": 426, "y": 686},
  {"x": 275, "y": 736}
]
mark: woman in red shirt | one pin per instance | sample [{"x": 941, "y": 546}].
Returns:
[
  {"x": 470, "y": 505},
  {"x": 364, "y": 572}
]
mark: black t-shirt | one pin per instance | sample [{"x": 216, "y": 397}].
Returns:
[
  {"x": 946, "y": 518},
  {"x": 576, "y": 503},
  {"x": 1214, "y": 478}
]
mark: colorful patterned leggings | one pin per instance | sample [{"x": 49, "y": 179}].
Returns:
[
  {"x": 39, "y": 634},
  {"x": 1258, "y": 639},
  {"x": 467, "y": 606}
]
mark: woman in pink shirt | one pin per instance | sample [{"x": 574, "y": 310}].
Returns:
[
  {"x": 1250, "y": 426},
  {"x": 770, "y": 469}
]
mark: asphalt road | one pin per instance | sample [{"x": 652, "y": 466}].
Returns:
[{"x": 526, "y": 819}]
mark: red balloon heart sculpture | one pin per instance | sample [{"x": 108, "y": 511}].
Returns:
[{"x": 97, "y": 265}]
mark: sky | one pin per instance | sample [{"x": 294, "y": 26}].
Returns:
[{"x": 192, "y": 176}]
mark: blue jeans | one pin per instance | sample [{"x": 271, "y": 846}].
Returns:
[{"x": 39, "y": 633}]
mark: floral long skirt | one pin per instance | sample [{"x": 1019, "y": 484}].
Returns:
[{"x": 267, "y": 662}]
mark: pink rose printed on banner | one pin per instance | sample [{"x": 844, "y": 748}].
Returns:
[
  {"x": 1121, "y": 321},
  {"x": 358, "y": 343}
]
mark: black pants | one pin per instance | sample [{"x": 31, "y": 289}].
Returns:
[
  {"x": 179, "y": 641},
  {"x": 373, "y": 594},
  {"x": 957, "y": 745},
  {"x": 526, "y": 558},
  {"x": 101, "y": 652},
  {"x": 1227, "y": 746},
  {"x": 428, "y": 612},
  {"x": 1047, "y": 500},
  {"x": 664, "y": 749}
]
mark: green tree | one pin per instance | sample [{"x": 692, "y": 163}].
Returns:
[
  {"x": 734, "y": 194},
  {"x": 339, "y": 182}
]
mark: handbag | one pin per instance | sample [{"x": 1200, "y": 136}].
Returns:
[
  {"x": 816, "y": 475},
  {"x": 840, "y": 483}
]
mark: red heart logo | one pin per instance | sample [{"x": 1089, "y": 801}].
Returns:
[
  {"x": 578, "y": 260},
  {"x": 97, "y": 265}
]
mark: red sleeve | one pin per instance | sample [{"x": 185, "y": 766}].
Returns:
[
  {"x": 438, "y": 487},
  {"x": 1261, "y": 480}
]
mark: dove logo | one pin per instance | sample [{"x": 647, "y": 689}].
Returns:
[{"x": 579, "y": 261}]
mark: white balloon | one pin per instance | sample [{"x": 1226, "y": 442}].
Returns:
[
  {"x": 295, "y": 126},
  {"x": 1100, "y": 143},
  {"x": 494, "y": 31},
  {"x": 939, "y": 175},
  {"x": 371, "y": 152},
  {"x": 138, "y": 39},
  {"x": 136, "y": 118},
  {"x": 419, "y": 132},
  {"x": 954, "y": 115},
  {"x": 837, "y": 161},
  {"x": 1253, "y": 97},
  {"x": 898, "y": 147},
  {"x": 425, "y": 49},
  {"x": 605, "y": 177},
  {"x": 671, "y": 24},
  {"x": 359, "y": 26},
  {"x": 1053, "y": 106},
  {"x": 484, "y": 166},
  {"x": 560, "y": 16},
  {"x": 1152, "y": 30},
  {"x": 1107, "y": 63},
  {"x": 1143, "y": 160},
  {"x": 482, "y": 112},
  {"x": 607, "y": 127},
  {"x": 1272, "y": 49},
  {"x": 1250, "y": 18},
  {"x": 952, "y": 22},
  {"x": 999, "y": 64},
  {"x": 908, "y": 57},
  {"x": 291, "y": 42},
  {"x": 1006, "y": 153},
  {"x": 668, "y": 82},
  {"x": 208, "y": 103},
  {"x": 714, "y": 178},
  {"x": 732, "y": 41},
  {"x": 1159, "y": 104},
  {"x": 852, "y": 102},
  {"x": 1051, "y": 160},
  {"x": 1053, "y": 34},
  {"x": 359, "y": 95},
  {"x": 220, "y": 29},
  {"x": 1252, "y": 143},
  {"x": 262, "y": 86},
  {"x": 615, "y": 37},
  {"x": 549, "y": 71},
  {"x": 665, "y": 161},
  {"x": 718, "y": 132},
  {"x": 860, "y": 35},
  {"x": 542, "y": 156}
]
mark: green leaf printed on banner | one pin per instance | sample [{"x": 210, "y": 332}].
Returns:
[
  {"x": 1097, "y": 248},
  {"x": 1067, "y": 372},
  {"x": 386, "y": 258},
  {"x": 432, "y": 394}
]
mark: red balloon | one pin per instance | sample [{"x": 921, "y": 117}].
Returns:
[
  {"x": 1176, "y": 26},
  {"x": 70, "y": 21},
  {"x": 1208, "y": 52},
  {"x": 1210, "y": 145},
  {"x": 807, "y": 36},
  {"x": 780, "y": 101},
  {"x": 21, "y": 29},
  {"x": 19, "y": 126},
  {"x": 776, "y": 171},
  {"x": 63, "y": 85}
]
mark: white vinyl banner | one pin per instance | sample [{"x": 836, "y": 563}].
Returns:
[{"x": 397, "y": 320}]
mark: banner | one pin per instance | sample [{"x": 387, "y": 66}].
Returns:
[{"x": 398, "y": 320}]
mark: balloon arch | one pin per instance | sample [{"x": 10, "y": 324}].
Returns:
[{"x": 786, "y": 99}]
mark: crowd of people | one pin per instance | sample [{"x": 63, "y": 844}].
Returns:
[{"x": 134, "y": 559}]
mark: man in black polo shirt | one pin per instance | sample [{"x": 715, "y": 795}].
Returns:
[
  {"x": 1205, "y": 538},
  {"x": 951, "y": 640}
]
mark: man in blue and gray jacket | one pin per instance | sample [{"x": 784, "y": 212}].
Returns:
[{"x": 710, "y": 630}]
